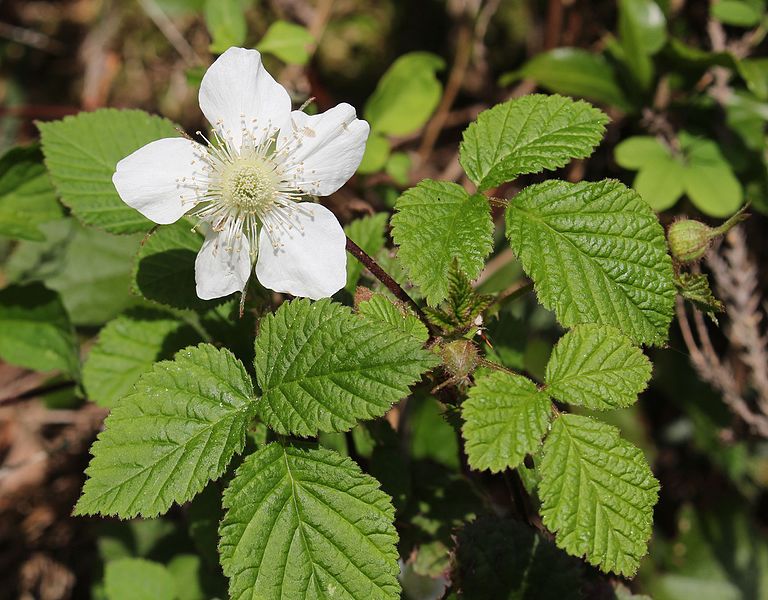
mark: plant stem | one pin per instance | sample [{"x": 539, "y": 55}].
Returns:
[{"x": 386, "y": 279}]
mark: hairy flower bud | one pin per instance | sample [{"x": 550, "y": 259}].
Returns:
[
  {"x": 689, "y": 240},
  {"x": 460, "y": 357}
]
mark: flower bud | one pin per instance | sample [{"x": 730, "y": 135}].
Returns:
[
  {"x": 689, "y": 240},
  {"x": 460, "y": 357}
]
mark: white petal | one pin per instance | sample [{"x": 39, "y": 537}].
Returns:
[
  {"x": 157, "y": 179},
  {"x": 238, "y": 94},
  {"x": 323, "y": 151},
  {"x": 311, "y": 261},
  {"x": 219, "y": 272}
]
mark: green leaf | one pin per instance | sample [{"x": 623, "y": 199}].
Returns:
[
  {"x": 437, "y": 223},
  {"x": 89, "y": 268},
  {"x": 498, "y": 559},
  {"x": 575, "y": 72},
  {"x": 225, "y": 20},
  {"x": 528, "y": 135},
  {"x": 179, "y": 429},
  {"x": 709, "y": 179},
  {"x": 289, "y": 42},
  {"x": 375, "y": 156},
  {"x": 735, "y": 12},
  {"x": 640, "y": 150},
  {"x": 406, "y": 95},
  {"x": 321, "y": 368},
  {"x": 164, "y": 267},
  {"x": 661, "y": 182},
  {"x": 27, "y": 197},
  {"x": 597, "y": 367},
  {"x": 187, "y": 573},
  {"x": 81, "y": 153},
  {"x": 138, "y": 579},
  {"x": 307, "y": 524},
  {"x": 596, "y": 254},
  {"x": 694, "y": 287},
  {"x": 505, "y": 418},
  {"x": 35, "y": 331},
  {"x": 128, "y": 347},
  {"x": 597, "y": 493},
  {"x": 398, "y": 167},
  {"x": 432, "y": 437},
  {"x": 381, "y": 309},
  {"x": 754, "y": 71},
  {"x": 368, "y": 233},
  {"x": 642, "y": 32}
]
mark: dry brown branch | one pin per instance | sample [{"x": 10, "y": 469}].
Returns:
[{"x": 736, "y": 277}]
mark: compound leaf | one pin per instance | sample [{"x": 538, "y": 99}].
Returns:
[
  {"x": 179, "y": 429},
  {"x": 528, "y": 135},
  {"x": 597, "y": 254},
  {"x": 505, "y": 418},
  {"x": 597, "y": 367},
  {"x": 437, "y": 223},
  {"x": 597, "y": 493},
  {"x": 304, "y": 523},
  {"x": 321, "y": 367}
]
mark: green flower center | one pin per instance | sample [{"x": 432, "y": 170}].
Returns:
[{"x": 249, "y": 185}]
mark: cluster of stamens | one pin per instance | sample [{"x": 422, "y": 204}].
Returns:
[{"x": 240, "y": 191}]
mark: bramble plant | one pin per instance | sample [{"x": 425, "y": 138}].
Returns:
[
  {"x": 301, "y": 520},
  {"x": 263, "y": 370}
]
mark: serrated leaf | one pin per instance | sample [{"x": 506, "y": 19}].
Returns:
[
  {"x": 306, "y": 523},
  {"x": 406, "y": 94},
  {"x": 694, "y": 287},
  {"x": 381, "y": 309},
  {"x": 597, "y": 367},
  {"x": 288, "y": 41},
  {"x": 27, "y": 197},
  {"x": 497, "y": 559},
  {"x": 528, "y": 135},
  {"x": 35, "y": 331},
  {"x": 164, "y": 267},
  {"x": 368, "y": 233},
  {"x": 138, "y": 579},
  {"x": 127, "y": 347},
  {"x": 322, "y": 368},
  {"x": 437, "y": 223},
  {"x": 597, "y": 254},
  {"x": 81, "y": 153},
  {"x": 597, "y": 493},
  {"x": 505, "y": 418},
  {"x": 179, "y": 429}
]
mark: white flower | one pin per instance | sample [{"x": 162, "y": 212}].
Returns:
[{"x": 247, "y": 184}]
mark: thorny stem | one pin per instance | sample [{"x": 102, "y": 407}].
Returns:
[{"x": 389, "y": 283}]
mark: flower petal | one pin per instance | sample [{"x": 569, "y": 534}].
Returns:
[
  {"x": 157, "y": 179},
  {"x": 218, "y": 271},
  {"x": 238, "y": 95},
  {"x": 323, "y": 151},
  {"x": 311, "y": 260}
]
